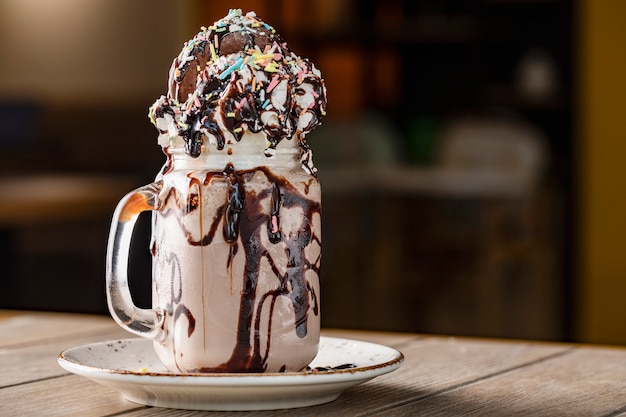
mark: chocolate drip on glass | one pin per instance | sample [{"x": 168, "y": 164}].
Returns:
[{"x": 244, "y": 218}]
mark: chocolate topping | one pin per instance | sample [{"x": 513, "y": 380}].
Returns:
[{"x": 238, "y": 76}]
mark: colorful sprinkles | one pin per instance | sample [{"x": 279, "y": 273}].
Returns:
[
  {"x": 233, "y": 89},
  {"x": 230, "y": 69}
]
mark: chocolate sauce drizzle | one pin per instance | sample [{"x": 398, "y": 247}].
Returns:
[
  {"x": 207, "y": 98},
  {"x": 174, "y": 308},
  {"x": 242, "y": 217}
]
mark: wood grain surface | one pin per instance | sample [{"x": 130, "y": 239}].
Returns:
[{"x": 441, "y": 376}]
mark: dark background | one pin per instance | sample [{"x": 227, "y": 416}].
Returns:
[{"x": 403, "y": 249}]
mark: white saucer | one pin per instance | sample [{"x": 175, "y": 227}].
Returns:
[{"x": 131, "y": 367}]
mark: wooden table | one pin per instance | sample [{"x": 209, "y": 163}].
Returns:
[{"x": 441, "y": 376}]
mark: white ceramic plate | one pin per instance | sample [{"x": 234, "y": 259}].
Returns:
[{"x": 131, "y": 367}]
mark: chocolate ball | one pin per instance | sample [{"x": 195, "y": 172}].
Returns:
[
  {"x": 262, "y": 41},
  {"x": 187, "y": 79},
  {"x": 233, "y": 42}
]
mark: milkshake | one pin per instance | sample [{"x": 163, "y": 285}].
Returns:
[{"x": 236, "y": 230}]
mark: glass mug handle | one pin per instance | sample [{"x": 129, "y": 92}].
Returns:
[{"x": 143, "y": 322}]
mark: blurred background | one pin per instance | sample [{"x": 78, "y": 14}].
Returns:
[{"x": 470, "y": 182}]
